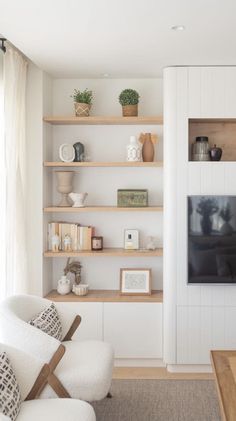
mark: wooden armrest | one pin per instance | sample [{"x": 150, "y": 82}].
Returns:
[
  {"x": 51, "y": 378},
  {"x": 73, "y": 328},
  {"x": 39, "y": 383}
]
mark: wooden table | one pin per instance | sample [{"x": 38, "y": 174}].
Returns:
[{"x": 224, "y": 366}]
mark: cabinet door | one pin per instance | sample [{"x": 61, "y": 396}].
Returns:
[
  {"x": 134, "y": 329},
  {"x": 91, "y": 326}
]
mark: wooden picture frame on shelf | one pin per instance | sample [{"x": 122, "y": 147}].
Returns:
[{"x": 135, "y": 281}]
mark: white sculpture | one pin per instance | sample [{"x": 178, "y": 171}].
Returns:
[
  {"x": 67, "y": 243},
  {"x": 63, "y": 286},
  {"x": 55, "y": 243},
  {"x": 78, "y": 199}
]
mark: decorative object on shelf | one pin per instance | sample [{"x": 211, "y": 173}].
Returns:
[
  {"x": 131, "y": 239},
  {"x": 135, "y": 281},
  {"x": 55, "y": 241},
  {"x": 132, "y": 198},
  {"x": 134, "y": 149},
  {"x": 63, "y": 286},
  {"x": 206, "y": 208},
  {"x": 79, "y": 152},
  {"x": 97, "y": 243},
  {"x": 151, "y": 243},
  {"x": 82, "y": 102},
  {"x": 66, "y": 152},
  {"x": 73, "y": 267},
  {"x": 148, "y": 140},
  {"x": 200, "y": 149},
  {"x": 67, "y": 241},
  {"x": 215, "y": 153},
  {"x": 64, "y": 186},
  {"x": 226, "y": 215},
  {"x": 129, "y": 99},
  {"x": 78, "y": 199},
  {"x": 81, "y": 289}
]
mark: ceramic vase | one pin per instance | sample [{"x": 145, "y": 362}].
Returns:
[
  {"x": 79, "y": 152},
  {"x": 134, "y": 149},
  {"x": 65, "y": 186},
  {"x": 148, "y": 149}
]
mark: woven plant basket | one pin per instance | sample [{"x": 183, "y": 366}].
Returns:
[
  {"x": 82, "y": 109},
  {"x": 130, "y": 110}
]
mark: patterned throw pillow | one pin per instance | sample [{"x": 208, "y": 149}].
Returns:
[
  {"x": 48, "y": 321},
  {"x": 10, "y": 398}
]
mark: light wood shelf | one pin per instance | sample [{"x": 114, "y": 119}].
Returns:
[
  {"x": 102, "y": 164},
  {"x": 103, "y": 120},
  {"x": 106, "y": 296},
  {"x": 58, "y": 209},
  {"x": 107, "y": 252}
]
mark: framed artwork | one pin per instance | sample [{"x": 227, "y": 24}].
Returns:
[
  {"x": 66, "y": 152},
  {"x": 135, "y": 281}
]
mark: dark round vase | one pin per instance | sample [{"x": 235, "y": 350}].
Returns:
[{"x": 79, "y": 152}]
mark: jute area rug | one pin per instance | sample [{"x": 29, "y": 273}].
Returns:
[{"x": 160, "y": 400}]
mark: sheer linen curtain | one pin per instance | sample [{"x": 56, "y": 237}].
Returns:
[
  {"x": 14, "y": 279},
  {"x": 2, "y": 187}
]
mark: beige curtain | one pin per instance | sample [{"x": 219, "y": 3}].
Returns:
[{"x": 14, "y": 85}]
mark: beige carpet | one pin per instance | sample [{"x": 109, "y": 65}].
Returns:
[{"x": 160, "y": 400}]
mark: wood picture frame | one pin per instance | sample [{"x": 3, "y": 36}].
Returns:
[{"x": 135, "y": 281}]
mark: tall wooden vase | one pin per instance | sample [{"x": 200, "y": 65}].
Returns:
[{"x": 148, "y": 149}]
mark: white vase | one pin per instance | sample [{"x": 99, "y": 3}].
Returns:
[{"x": 134, "y": 150}]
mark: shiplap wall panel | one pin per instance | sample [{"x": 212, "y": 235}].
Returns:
[{"x": 204, "y": 314}]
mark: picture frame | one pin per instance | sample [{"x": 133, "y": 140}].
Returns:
[
  {"x": 135, "y": 281},
  {"x": 66, "y": 152}
]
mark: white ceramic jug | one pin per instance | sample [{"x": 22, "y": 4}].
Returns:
[
  {"x": 63, "y": 286},
  {"x": 78, "y": 199}
]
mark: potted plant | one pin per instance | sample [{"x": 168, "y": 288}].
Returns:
[
  {"x": 129, "y": 99},
  {"x": 82, "y": 102},
  {"x": 206, "y": 208}
]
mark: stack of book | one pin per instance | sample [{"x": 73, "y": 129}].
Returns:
[{"x": 80, "y": 235}]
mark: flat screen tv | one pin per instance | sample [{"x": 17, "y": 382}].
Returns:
[{"x": 212, "y": 239}]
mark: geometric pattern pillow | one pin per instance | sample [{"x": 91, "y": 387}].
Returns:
[
  {"x": 10, "y": 399},
  {"x": 48, "y": 321}
]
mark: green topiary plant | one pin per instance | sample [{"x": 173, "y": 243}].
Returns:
[
  {"x": 129, "y": 97},
  {"x": 84, "y": 97}
]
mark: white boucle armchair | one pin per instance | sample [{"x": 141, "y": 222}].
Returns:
[
  {"x": 30, "y": 374},
  {"x": 81, "y": 370}
]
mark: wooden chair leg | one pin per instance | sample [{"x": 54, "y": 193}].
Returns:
[
  {"x": 109, "y": 395},
  {"x": 39, "y": 383},
  {"x": 57, "y": 386}
]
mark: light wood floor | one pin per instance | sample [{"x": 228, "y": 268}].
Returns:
[{"x": 159, "y": 373}]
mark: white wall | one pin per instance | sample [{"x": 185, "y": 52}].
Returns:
[{"x": 197, "y": 318}]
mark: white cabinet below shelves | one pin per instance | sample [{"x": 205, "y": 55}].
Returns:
[
  {"x": 134, "y": 329},
  {"x": 91, "y": 326}
]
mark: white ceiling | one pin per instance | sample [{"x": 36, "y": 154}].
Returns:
[{"x": 124, "y": 38}]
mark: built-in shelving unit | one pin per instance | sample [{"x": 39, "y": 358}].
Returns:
[
  {"x": 103, "y": 120},
  {"x": 107, "y": 252},
  {"x": 106, "y": 295},
  {"x": 104, "y": 164},
  {"x": 102, "y": 209}
]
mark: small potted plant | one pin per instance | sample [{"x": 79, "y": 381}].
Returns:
[
  {"x": 82, "y": 102},
  {"x": 129, "y": 99}
]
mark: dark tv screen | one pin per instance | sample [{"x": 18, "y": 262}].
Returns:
[{"x": 212, "y": 239}]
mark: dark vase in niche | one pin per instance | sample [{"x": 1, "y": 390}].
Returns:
[{"x": 79, "y": 152}]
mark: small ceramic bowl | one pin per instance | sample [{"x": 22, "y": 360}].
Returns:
[{"x": 81, "y": 289}]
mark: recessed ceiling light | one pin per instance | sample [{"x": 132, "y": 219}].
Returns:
[
  {"x": 105, "y": 74},
  {"x": 178, "y": 28}
]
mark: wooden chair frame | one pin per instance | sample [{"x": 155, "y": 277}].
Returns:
[{"x": 47, "y": 376}]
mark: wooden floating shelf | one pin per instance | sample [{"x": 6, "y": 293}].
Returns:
[
  {"x": 106, "y": 296},
  {"x": 102, "y": 209},
  {"x": 107, "y": 252},
  {"x": 103, "y": 164},
  {"x": 103, "y": 120}
]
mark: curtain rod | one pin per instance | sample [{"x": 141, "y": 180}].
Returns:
[{"x": 2, "y": 46}]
